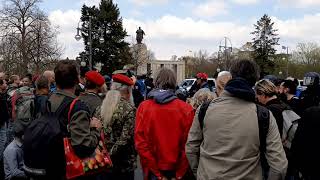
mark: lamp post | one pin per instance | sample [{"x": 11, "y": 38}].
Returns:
[
  {"x": 280, "y": 73},
  {"x": 89, "y": 29},
  {"x": 286, "y": 48},
  {"x": 225, "y": 48}
]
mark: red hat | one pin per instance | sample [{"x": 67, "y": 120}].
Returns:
[
  {"x": 202, "y": 76},
  {"x": 95, "y": 77},
  {"x": 123, "y": 79}
]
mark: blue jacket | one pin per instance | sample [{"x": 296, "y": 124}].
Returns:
[{"x": 13, "y": 161}]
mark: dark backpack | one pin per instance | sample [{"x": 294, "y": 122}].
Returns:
[
  {"x": 43, "y": 142},
  {"x": 263, "y": 121}
]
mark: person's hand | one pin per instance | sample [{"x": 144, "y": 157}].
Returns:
[
  {"x": 95, "y": 123},
  {"x": 164, "y": 178}
]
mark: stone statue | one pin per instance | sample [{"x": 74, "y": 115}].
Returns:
[{"x": 140, "y": 34}]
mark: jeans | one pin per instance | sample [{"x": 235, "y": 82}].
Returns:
[
  {"x": 3, "y": 141},
  {"x": 10, "y": 132}
]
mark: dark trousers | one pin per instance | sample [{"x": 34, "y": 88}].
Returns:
[
  {"x": 116, "y": 176},
  {"x": 172, "y": 174},
  {"x": 3, "y": 144}
]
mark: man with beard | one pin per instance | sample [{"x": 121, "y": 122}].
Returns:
[
  {"x": 287, "y": 91},
  {"x": 202, "y": 82},
  {"x": 128, "y": 71},
  {"x": 118, "y": 114},
  {"x": 93, "y": 86}
]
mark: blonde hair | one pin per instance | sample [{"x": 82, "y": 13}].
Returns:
[
  {"x": 223, "y": 78},
  {"x": 112, "y": 99},
  {"x": 200, "y": 97},
  {"x": 265, "y": 87}
]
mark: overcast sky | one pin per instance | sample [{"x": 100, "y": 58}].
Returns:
[{"x": 178, "y": 27}]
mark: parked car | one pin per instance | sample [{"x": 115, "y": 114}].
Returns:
[{"x": 187, "y": 83}]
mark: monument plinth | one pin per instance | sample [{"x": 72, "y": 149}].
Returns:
[{"x": 140, "y": 55}]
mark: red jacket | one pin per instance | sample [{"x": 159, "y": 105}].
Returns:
[{"x": 161, "y": 134}]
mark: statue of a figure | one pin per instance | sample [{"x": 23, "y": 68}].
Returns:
[{"x": 140, "y": 34}]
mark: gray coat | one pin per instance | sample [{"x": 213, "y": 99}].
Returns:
[{"x": 228, "y": 146}]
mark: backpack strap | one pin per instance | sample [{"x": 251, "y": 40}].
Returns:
[
  {"x": 73, "y": 103},
  {"x": 64, "y": 104},
  {"x": 13, "y": 105},
  {"x": 202, "y": 113},
  {"x": 263, "y": 122}
]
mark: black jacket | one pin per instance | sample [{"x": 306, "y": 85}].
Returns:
[
  {"x": 295, "y": 105},
  {"x": 276, "y": 106},
  {"x": 310, "y": 97},
  {"x": 40, "y": 105},
  {"x": 4, "y": 108},
  {"x": 305, "y": 148}
]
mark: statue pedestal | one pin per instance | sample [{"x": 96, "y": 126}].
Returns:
[{"x": 140, "y": 57}]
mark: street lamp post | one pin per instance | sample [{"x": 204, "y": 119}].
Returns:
[
  {"x": 226, "y": 48},
  {"x": 89, "y": 29},
  {"x": 286, "y": 48}
]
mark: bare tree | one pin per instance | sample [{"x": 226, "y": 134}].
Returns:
[
  {"x": 200, "y": 62},
  {"x": 307, "y": 53},
  {"x": 151, "y": 56},
  {"x": 32, "y": 40},
  {"x": 45, "y": 49}
]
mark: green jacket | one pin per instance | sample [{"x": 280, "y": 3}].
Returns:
[
  {"x": 119, "y": 135},
  {"x": 83, "y": 138},
  {"x": 92, "y": 100}
]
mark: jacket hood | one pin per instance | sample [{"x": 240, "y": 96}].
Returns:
[
  {"x": 162, "y": 96},
  {"x": 278, "y": 104},
  {"x": 240, "y": 88}
]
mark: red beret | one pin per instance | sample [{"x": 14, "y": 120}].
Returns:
[
  {"x": 202, "y": 76},
  {"x": 123, "y": 79},
  {"x": 95, "y": 77}
]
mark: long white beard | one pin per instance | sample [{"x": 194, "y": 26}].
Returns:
[{"x": 131, "y": 100}]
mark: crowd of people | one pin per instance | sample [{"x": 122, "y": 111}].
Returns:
[{"x": 246, "y": 128}]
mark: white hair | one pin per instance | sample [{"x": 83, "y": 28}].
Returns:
[
  {"x": 112, "y": 100},
  {"x": 224, "y": 73}
]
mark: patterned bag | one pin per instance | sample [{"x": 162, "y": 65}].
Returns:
[{"x": 99, "y": 161}]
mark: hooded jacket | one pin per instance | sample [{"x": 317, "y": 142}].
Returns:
[
  {"x": 276, "y": 106},
  {"x": 305, "y": 150},
  {"x": 162, "y": 126},
  {"x": 228, "y": 145}
]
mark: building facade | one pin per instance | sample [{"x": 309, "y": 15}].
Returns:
[{"x": 178, "y": 67}]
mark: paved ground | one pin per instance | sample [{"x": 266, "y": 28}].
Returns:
[{"x": 138, "y": 175}]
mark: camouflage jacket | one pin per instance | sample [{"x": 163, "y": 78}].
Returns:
[{"x": 119, "y": 137}]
